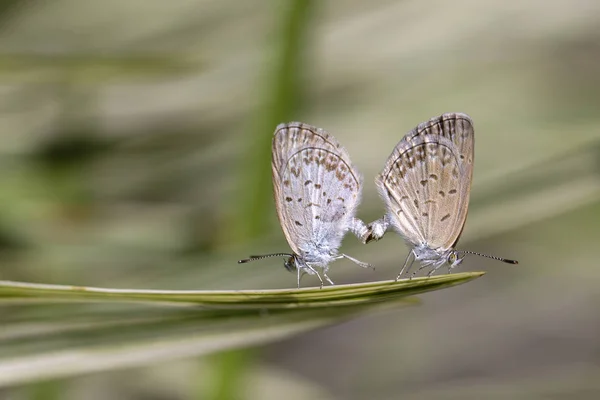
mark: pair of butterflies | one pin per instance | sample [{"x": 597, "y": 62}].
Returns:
[{"x": 425, "y": 185}]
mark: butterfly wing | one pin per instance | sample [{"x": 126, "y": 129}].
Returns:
[
  {"x": 426, "y": 181},
  {"x": 457, "y": 127},
  {"x": 316, "y": 187}
]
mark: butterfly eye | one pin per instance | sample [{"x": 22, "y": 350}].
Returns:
[
  {"x": 290, "y": 264},
  {"x": 452, "y": 258}
]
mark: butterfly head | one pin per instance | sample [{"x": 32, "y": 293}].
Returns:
[
  {"x": 291, "y": 263},
  {"x": 453, "y": 258}
]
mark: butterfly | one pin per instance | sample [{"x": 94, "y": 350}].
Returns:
[
  {"x": 425, "y": 185},
  {"x": 317, "y": 191}
]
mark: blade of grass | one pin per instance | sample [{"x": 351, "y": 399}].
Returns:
[
  {"x": 57, "y": 331},
  {"x": 283, "y": 99},
  {"x": 329, "y": 296},
  {"x": 283, "y": 96}
]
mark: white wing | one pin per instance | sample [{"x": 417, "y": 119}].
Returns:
[
  {"x": 426, "y": 181},
  {"x": 457, "y": 127},
  {"x": 316, "y": 187}
]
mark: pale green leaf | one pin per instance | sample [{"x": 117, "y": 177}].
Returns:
[{"x": 52, "y": 331}]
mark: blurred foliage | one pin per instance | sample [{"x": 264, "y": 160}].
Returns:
[
  {"x": 285, "y": 92},
  {"x": 135, "y": 153},
  {"x": 91, "y": 70}
]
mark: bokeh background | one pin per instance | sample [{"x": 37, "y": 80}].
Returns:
[{"x": 135, "y": 153}]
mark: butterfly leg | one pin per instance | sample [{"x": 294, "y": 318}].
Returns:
[
  {"x": 355, "y": 261},
  {"x": 404, "y": 268},
  {"x": 327, "y": 278},
  {"x": 449, "y": 269},
  {"x": 314, "y": 271},
  {"x": 423, "y": 267},
  {"x": 430, "y": 273}
]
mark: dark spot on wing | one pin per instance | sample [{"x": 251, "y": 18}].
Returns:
[
  {"x": 416, "y": 203},
  {"x": 328, "y": 201},
  {"x": 433, "y": 176},
  {"x": 331, "y": 163},
  {"x": 317, "y": 217},
  {"x": 288, "y": 199},
  {"x": 300, "y": 199},
  {"x": 425, "y": 214},
  {"x": 424, "y": 182},
  {"x": 286, "y": 183},
  {"x": 317, "y": 186},
  {"x": 452, "y": 191},
  {"x": 308, "y": 182},
  {"x": 341, "y": 172},
  {"x": 298, "y": 223},
  {"x": 445, "y": 217},
  {"x": 441, "y": 192}
]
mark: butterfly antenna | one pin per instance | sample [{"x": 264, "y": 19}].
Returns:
[
  {"x": 506, "y": 260},
  {"x": 254, "y": 258}
]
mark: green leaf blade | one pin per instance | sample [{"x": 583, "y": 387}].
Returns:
[
  {"x": 275, "y": 298},
  {"x": 57, "y": 331}
]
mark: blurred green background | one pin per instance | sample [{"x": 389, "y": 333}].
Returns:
[{"x": 135, "y": 153}]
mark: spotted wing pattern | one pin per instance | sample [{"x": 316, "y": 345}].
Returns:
[
  {"x": 426, "y": 181},
  {"x": 457, "y": 127},
  {"x": 316, "y": 187}
]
